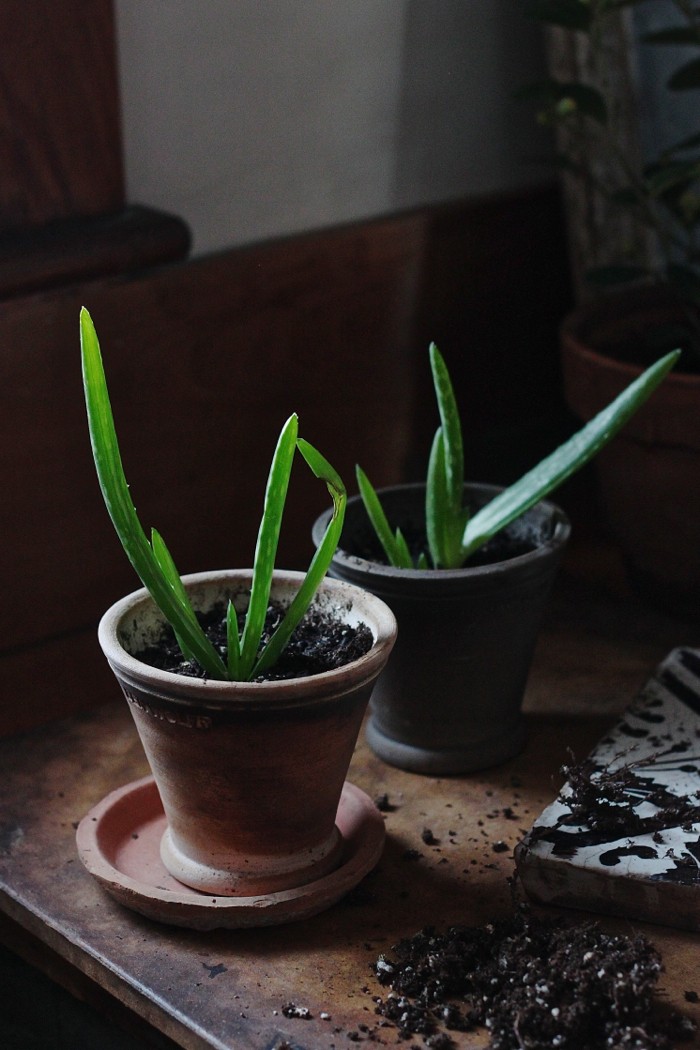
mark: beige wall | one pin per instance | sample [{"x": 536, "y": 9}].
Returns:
[{"x": 255, "y": 118}]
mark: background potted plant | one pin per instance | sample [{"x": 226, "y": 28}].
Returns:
[
  {"x": 633, "y": 226},
  {"x": 467, "y": 570},
  {"x": 249, "y": 756}
]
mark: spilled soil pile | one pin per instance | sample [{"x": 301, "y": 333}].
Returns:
[{"x": 532, "y": 983}]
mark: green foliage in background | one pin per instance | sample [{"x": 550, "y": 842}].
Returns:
[{"x": 663, "y": 194}]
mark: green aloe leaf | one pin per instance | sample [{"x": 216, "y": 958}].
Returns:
[
  {"x": 115, "y": 491},
  {"x": 567, "y": 459},
  {"x": 375, "y": 512},
  {"x": 233, "y": 643},
  {"x": 404, "y": 553},
  {"x": 266, "y": 546},
  {"x": 169, "y": 570},
  {"x": 320, "y": 562},
  {"x": 437, "y": 503},
  {"x": 446, "y": 518},
  {"x": 451, "y": 429}
]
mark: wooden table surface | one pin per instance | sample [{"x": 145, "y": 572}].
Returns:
[{"x": 226, "y": 989}]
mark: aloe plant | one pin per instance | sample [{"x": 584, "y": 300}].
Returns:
[
  {"x": 154, "y": 564},
  {"x": 452, "y": 533}
]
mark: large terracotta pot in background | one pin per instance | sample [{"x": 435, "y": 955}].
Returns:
[
  {"x": 650, "y": 474},
  {"x": 250, "y": 774},
  {"x": 449, "y": 700}
]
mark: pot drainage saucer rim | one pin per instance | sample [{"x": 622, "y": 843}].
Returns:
[{"x": 119, "y": 844}]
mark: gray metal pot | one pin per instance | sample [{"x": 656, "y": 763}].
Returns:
[{"x": 449, "y": 700}]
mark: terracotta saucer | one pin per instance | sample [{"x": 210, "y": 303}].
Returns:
[{"x": 119, "y": 844}]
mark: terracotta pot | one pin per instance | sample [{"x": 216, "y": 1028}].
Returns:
[
  {"x": 649, "y": 475},
  {"x": 450, "y": 698},
  {"x": 250, "y": 774}
]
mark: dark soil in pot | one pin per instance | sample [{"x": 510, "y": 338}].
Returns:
[
  {"x": 520, "y": 537},
  {"x": 320, "y": 643},
  {"x": 508, "y": 544}
]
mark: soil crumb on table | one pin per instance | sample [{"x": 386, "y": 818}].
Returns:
[{"x": 532, "y": 983}]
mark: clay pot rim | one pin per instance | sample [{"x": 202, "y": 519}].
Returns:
[
  {"x": 578, "y": 327},
  {"x": 444, "y": 577},
  {"x": 213, "y": 693}
]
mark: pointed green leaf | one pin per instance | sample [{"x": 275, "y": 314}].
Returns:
[
  {"x": 233, "y": 643},
  {"x": 446, "y": 471},
  {"x": 321, "y": 468},
  {"x": 402, "y": 548},
  {"x": 451, "y": 428},
  {"x": 115, "y": 492},
  {"x": 437, "y": 501},
  {"x": 169, "y": 570},
  {"x": 319, "y": 564},
  {"x": 266, "y": 546},
  {"x": 567, "y": 459},
  {"x": 378, "y": 519}
]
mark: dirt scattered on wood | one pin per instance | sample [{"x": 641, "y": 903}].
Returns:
[
  {"x": 531, "y": 983},
  {"x": 384, "y": 803},
  {"x": 302, "y": 1013}
]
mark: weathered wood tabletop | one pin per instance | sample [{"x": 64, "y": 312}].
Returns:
[{"x": 227, "y": 988}]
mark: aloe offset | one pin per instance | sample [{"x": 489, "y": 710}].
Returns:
[
  {"x": 452, "y": 533},
  {"x": 154, "y": 564}
]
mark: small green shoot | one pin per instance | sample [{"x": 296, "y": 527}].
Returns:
[
  {"x": 154, "y": 563},
  {"x": 451, "y": 533},
  {"x": 394, "y": 544}
]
